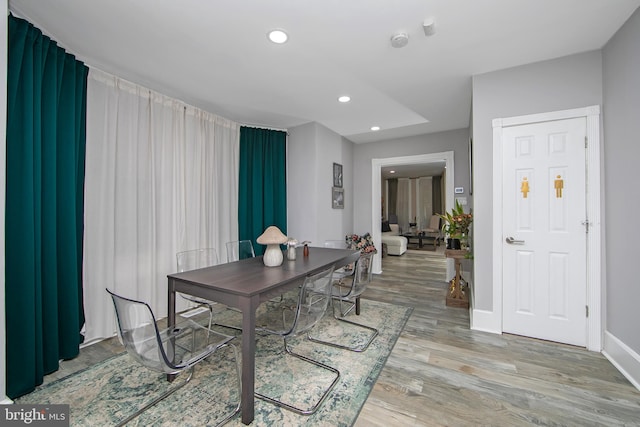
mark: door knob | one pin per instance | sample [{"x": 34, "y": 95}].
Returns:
[{"x": 510, "y": 240}]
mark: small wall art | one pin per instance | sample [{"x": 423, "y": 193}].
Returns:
[
  {"x": 337, "y": 175},
  {"x": 337, "y": 198}
]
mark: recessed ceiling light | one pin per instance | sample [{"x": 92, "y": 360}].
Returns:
[
  {"x": 344, "y": 98},
  {"x": 375, "y": 128},
  {"x": 278, "y": 36}
]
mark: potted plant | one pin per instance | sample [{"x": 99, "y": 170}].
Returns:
[{"x": 456, "y": 226}]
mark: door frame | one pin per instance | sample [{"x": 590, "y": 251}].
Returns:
[
  {"x": 593, "y": 207},
  {"x": 376, "y": 193}
]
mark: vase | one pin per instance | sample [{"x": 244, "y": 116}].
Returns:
[
  {"x": 272, "y": 256},
  {"x": 453, "y": 243}
]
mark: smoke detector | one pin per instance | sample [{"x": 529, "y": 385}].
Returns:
[
  {"x": 429, "y": 27},
  {"x": 399, "y": 40}
]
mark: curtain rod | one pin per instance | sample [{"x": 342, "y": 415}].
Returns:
[{"x": 264, "y": 127}]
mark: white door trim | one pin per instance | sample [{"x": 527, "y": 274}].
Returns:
[
  {"x": 595, "y": 236},
  {"x": 376, "y": 180}
]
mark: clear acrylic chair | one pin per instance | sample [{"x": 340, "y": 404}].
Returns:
[
  {"x": 312, "y": 302},
  {"x": 336, "y": 244},
  {"x": 239, "y": 249},
  {"x": 168, "y": 351},
  {"x": 242, "y": 249},
  {"x": 192, "y": 260},
  {"x": 346, "y": 295},
  {"x": 346, "y": 271}
]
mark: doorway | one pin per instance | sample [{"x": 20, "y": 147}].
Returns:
[
  {"x": 511, "y": 294},
  {"x": 376, "y": 172}
]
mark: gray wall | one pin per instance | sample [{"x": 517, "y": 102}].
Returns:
[
  {"x": 456, "y": 141},
  {"x": 565, "y": 83},
  {"x": 621, "y": 111},
  {"x": 312, "y": 150}
]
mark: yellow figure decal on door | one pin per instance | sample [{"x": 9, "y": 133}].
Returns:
[
  {"x": 524, "y": 187},
  {"x": 558, "y": 184}
]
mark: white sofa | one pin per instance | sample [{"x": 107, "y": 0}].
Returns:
[{"x": 396, "y": 244}]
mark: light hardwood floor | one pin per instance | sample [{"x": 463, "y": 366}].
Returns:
[{"x": 441, "y": 373}]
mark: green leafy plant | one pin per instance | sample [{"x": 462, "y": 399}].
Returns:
[{"x": 456, "y": 223}]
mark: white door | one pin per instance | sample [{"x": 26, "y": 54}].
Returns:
[{"x": 544, "y": 238}]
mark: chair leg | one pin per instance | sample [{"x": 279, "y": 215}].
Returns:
[
  {"x": 326, "y": 393},
  {"x": 341, "y": 318},
  {"x": 220, "y": 324},
  {"x": 157, "y": 400}
]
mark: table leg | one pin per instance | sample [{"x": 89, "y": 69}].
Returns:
[
  {"x": 248, "y": 308},
  {"x": 171, "y": 313}
]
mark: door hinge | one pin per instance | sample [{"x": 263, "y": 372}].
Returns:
[{"x": 586, "y": 307}]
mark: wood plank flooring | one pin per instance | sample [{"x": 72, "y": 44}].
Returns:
[{"x": 441, "y": 373}]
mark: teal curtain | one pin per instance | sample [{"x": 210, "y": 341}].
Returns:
[
  {"x": 46, "y": 103},
  {"x": 262, "y": 192}
]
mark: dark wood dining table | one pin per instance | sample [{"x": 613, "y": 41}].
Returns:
[{"x": 245, "y": 284}]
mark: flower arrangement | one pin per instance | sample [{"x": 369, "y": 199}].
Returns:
[
  {"x": 456, "y": 224},
  {"x": 364, "y": 243}
]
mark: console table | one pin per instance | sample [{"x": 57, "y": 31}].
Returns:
[
  {"x": 421, "y": 238},
  {"x": 456, "y": 296}
]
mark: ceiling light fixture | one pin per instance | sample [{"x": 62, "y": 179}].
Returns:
[
  {"x": 344, "y": 98},
  {"x": 429, "y": 27},
  {"x": 375, "y": 128},
  {"x": 278, "y": 36},
  {"x": 399, "y": 40}
]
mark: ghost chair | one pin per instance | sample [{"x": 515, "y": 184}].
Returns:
[
  {"x": 345, "y": 296},
  {"x": 242, "y": 249},
  {"x": 168, "y": 351},
  {"x": 193, "y": 260},
  {"x": 239, "y": 249},
  {"x": 335, "y": 244},
  {"x": 346, "y": 271},
  {"x": 297, "y": 319}
]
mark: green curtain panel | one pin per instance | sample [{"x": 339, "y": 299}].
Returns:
[
  {"x": 46, "y": 104},
  {"x": 262, "y": 193}
]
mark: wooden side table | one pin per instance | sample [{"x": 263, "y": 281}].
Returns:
[{"x": 456, "y": 296}]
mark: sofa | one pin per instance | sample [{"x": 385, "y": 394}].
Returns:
[{"x": 395, "y": 243}]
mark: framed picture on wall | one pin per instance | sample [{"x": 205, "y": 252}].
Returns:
[
  {"x": 337, "y": 198},
  {"x": 337, "y": 175}
]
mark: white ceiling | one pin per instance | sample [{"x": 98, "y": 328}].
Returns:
[{"x": 214, "y": 54}]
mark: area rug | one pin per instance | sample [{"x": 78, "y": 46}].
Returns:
[{"x": 111, "y": 390}]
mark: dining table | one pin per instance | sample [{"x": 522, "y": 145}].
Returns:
[{"x": 246, "y": 284}]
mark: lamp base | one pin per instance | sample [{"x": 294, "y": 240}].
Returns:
[{"x": 273, "y": 256}]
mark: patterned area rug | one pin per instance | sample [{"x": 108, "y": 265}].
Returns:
[{"x": 111, "y": 390}]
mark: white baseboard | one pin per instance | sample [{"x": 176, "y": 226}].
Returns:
[
  {"x": 486, "y": 321},
  {"x": 623, "y": 358}
]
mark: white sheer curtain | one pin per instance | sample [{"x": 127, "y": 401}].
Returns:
[
  {"x": 425, "y": 201},
  {"x": 161, "y": 177},
  {"x": 403, "y": 204}
]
